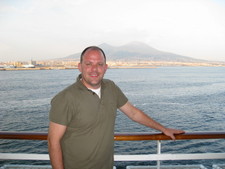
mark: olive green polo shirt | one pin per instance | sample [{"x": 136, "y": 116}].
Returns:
[{"x": 89, "y": 139}]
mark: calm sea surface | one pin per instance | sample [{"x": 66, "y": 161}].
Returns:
[{"x": 188, "y": 98}]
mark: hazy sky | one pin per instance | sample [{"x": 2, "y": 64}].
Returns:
[{"x": 43, "y": 29}]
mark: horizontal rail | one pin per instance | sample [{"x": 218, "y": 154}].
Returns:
[
  {"x": 160, "y": 136},
  {"x": 120, "y": 136},
  {"x": 146, "y": 157},
  {"x": 23, "y": 135},
  {"x": 169, "y": 157}
]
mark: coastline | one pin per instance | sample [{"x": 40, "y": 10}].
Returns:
[
  {"x": 64, "y": 68},
  {"x": 126, "y": 66},
  {"x": 36, "y": 68}
]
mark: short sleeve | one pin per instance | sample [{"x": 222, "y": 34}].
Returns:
[
  {"x": 60, "y": 111},
  {"x": 121, "y": 98}
]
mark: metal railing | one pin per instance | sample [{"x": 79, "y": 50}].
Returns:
[{"x": 123, "y": 137}]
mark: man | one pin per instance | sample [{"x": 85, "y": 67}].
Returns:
[{"x": 82, "y": 117}]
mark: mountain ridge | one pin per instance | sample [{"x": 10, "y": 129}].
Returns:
[{"x": 137, "y": 51}]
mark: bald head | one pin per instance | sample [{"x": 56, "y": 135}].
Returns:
[{"x": 90, "y": 48}]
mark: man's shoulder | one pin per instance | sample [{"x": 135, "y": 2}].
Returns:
[
  {"x": 108, "y": 82},
  {"x": 70, "y": 88},
  {"x": 67, "y": 91}
]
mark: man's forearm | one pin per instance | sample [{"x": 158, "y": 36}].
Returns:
[
  {"x": 144, "y": 119},
  {"x": 139, "y": 116},
  {"x": 56, "y": 158}
]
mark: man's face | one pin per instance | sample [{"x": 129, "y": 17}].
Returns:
[{"x": 93, "y": 68}]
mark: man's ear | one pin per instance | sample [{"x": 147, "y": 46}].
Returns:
[
  {"x": 79, "y": 67},
  {"x": 106, "y": 67}
]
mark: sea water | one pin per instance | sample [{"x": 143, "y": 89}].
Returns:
[{"x": 188, "y": 98}]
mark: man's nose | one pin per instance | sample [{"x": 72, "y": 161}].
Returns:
[{"x": 94, "y": 67}]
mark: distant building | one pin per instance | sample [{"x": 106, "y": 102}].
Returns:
[
  {"x": 33, "y": 62},
  {"x": 18, "y": 64}
]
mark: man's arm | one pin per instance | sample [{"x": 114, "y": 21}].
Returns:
[
  {"x": 55, "y": 133},
  {"x": 139, "y": 116}
]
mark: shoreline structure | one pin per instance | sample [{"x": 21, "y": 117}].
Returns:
[{"x": 121, "y": 65}]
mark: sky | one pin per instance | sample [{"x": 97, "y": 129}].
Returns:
[{"x": 47, "y": 29}]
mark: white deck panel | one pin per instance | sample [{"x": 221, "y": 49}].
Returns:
[
  {"x": 168, "y": 167},
  {"x": 29, "y": 167},
  {"x": 26, "y": 167}
]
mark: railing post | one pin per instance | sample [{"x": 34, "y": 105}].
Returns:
[{"x": 158, "y": 152}]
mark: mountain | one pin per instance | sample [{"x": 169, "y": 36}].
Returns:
[{"x": 137, "y": 51}]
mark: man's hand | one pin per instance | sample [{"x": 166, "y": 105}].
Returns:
[{"x": 171, "y": 132}]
